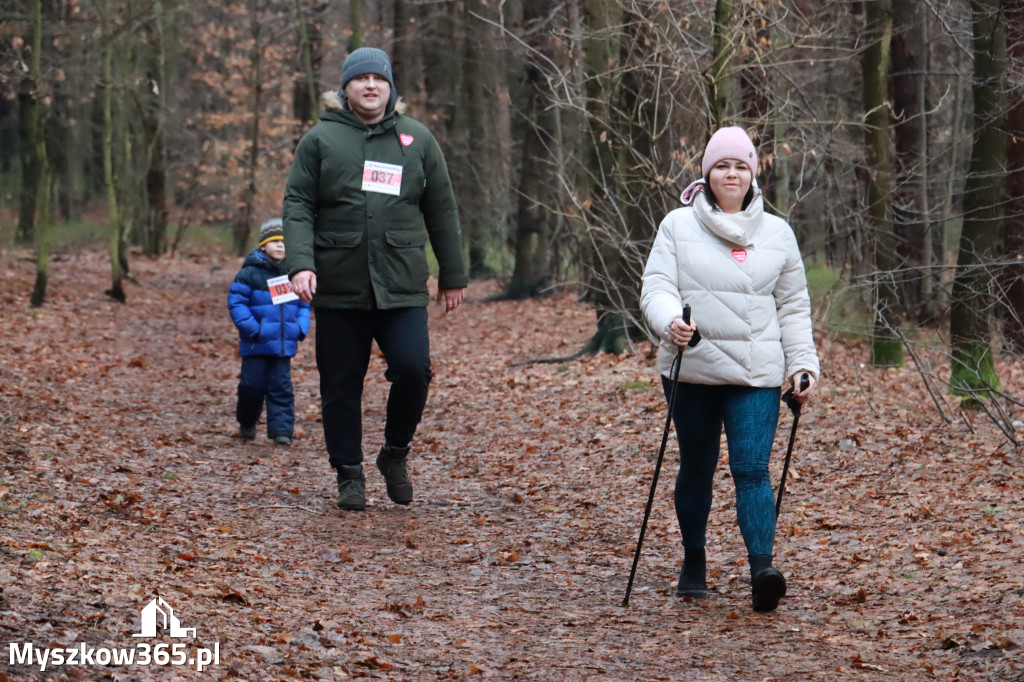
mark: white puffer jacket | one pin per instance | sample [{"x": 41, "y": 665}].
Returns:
[{"x": 744, "y": 279}]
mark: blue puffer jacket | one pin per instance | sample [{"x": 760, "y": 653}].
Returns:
[{"x": 265, "y": 328}]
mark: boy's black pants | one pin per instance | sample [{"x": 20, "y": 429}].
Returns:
[
  {"x": 267, "y": 376},
  {"x": 343, "y": 339}
]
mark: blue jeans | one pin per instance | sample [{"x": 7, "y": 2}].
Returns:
[
  {"x": 270, "y": 377},
  {"x": 750, "y": 416}
]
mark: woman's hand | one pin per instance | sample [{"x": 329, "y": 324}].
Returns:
[
  {"x": 681, "y": 332},
  {"x": 799, "y": 396}
]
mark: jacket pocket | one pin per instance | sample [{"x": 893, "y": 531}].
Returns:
[
  {"x": 406, "y": 262},
  {"x": 340, "y": 259}
]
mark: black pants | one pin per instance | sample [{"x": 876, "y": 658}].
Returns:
[
  {"x": 343, "y": 339},
  {"x": 270, "y": 377}
]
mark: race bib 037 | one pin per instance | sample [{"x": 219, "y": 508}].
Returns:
[{"x": 384, "y": 178}]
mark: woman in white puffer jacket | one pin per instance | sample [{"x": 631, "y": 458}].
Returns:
[{"x": 740, "y": 270}]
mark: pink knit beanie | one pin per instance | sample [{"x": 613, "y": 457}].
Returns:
[{"x": 729, "y": 143}]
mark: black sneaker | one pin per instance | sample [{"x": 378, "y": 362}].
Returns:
[
  {"x": 392, "y": 465},
  {"x": 351, "y": 488},
  {"x": 247, "y": 432},
  {"x": 282, "y": 440},
  {"x": 767, "y": 587}
]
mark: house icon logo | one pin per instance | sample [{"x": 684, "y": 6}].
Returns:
[{"x": 159, "y": 613}]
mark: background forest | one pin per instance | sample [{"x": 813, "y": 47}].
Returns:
[
  {"x": 142, "y": 143},
  {"x": 889, "y": 134}
]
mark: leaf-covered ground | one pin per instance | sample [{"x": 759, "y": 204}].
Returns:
[{"x": 121, "y": 477}]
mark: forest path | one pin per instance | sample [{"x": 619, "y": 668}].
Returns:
[{"x": 122, "y": 477}]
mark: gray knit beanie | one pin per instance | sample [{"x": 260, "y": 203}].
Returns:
[{"x": 368, "y": 60}]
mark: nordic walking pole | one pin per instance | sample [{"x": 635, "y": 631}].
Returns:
[
  {"x": 674, "y": 371},
  {"x": 787, "y": 397}
]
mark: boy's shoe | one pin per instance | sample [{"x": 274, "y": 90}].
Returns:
[
  {"x": 282, "y": 440},
  {"x": 351, "y": 488},
  {"x": 247, "y": 432},
  {"x": 392, "y": 465},
  {"x": 767, "y": 587}
]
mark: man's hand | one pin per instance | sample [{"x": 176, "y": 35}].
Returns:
[
  {"x": 451, "y": 297},
  {"x": 304, "y": 285}
]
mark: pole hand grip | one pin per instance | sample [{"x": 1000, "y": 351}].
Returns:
[
  {"x": 695, "y": 339},
  {"x": 787, "y": 397}
]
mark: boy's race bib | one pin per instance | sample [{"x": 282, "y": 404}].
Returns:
[
  {"x": 281, "y": 290},
  {"x": 385, "y": 178}
]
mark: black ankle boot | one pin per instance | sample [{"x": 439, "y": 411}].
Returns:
[
  {"x": 392, "y": 464},
  {"x": 693, "y": 576},
  {"x": 767, "y": 584},
  {"x": 351, "y": 488}
]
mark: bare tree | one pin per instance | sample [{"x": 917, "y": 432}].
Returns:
[
  {"x": 1012, "y": 280},
  {"x": 915, "y": 243},
  {"x": 886, "y": 348},
  {"x": 116, "y": 228},
  {"x": 42, "y": 236},
  {"x": 306, "y": 91},
  {"x": 540, "y": 208},
  {"x": 973, "y": 369},
  {"x": 28, "y": 122}
]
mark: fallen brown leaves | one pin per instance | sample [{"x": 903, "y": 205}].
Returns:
[{"x": 121, "y": 477}]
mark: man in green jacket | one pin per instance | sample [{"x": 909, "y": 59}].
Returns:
[{"x": 367, "y": 187}]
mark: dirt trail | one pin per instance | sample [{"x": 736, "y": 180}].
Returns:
[{"x": 121, "y": 478}]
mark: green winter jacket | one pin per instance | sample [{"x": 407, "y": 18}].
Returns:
[{"x": 367, "y": 247}]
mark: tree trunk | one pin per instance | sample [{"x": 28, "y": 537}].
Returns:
[
  {"x": 718, "y": 93},
  {"x": 973, "y": 370},
  {"x": 355, "y": 15},
  {"x": 599, "y": 187},
  {"x": 909, "y": 196},
  {"x": 757, "y": 88},
  {"x": 42, "y": 235},
  {"x": 129, "y": 192},
  {"x": 57, "y": 130},
  {"x": 42, "y": 231},
  {"x": 28, "y": 119},
  {"x": 886, "y": 348},
  {"x": 474, "y": 141},
  {"x": 933, "y": 255},
  {"x": 1013, "y": 275},
  {"x": 116, "y": 290},
  {"x": 407, "y": 60},
  {"x": 537, "y": 193},
  {"x": 243, "y": 223},
  {"x": 154, "y": 98},
  {"x": 307, "y": 109}
]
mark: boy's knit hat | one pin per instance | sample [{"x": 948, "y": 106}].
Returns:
[
  {"x": 271, "y": 230},
  {"x": 729, "y": 143}
]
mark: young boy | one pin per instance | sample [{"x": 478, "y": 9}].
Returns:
[{"x": 269, "y": 337}]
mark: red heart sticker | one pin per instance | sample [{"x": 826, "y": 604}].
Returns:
[
  {"x": 406, "y": 139},
  {"x": 739, "y": 254}
]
